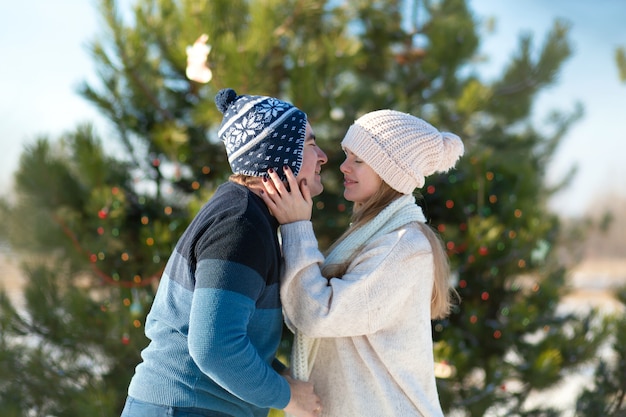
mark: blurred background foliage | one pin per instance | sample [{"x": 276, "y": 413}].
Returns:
[{"x": 96, "y": 216}]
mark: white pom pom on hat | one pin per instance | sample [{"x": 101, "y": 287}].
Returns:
[{"x": 401, "y": 148}]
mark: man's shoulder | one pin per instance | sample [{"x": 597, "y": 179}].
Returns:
[
  {"x": 239, "y": 203},
  {"x": 233, "y": 207}
]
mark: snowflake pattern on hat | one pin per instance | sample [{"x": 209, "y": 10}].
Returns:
[{"x": 262, "y": 133}]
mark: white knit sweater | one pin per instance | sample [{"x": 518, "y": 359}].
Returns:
[{"x": 375, "y": 354}]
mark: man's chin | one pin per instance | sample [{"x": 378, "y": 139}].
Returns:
[{"x": 317, "y": 190}]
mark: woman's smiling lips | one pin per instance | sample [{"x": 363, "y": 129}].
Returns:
[{"x": 347, "y": 182}]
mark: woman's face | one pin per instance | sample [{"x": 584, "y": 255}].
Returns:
[{"x": 360, "y": 181}]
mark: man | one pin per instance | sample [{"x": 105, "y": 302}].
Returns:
[{"x": 216, "y": 320}]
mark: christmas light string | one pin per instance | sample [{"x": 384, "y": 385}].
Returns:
[{"x": 101, "y": 274}]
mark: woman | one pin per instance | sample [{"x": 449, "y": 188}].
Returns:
[{"x": 362, "y": 315}]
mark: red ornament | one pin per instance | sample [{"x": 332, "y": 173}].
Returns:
[
  {"x": 125, "y": 339},
  {"x": 483, "y": 251},
  {"x": 103, "y": 214}
]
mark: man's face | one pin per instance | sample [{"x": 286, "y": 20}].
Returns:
[{"x": 312, "y": 160}]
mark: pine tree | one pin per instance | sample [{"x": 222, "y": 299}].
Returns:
[
  {"x": 95, "y": 248},
  {"x": 100, "y": 228},
  {"x": 607, "y": 395}
]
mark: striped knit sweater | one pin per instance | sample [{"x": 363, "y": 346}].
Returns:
[{"x": 216, "y": 320}]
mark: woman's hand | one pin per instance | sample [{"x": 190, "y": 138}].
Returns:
[
  {"x": 304, "y": 401},
  {"x": 291, "y": 205}
]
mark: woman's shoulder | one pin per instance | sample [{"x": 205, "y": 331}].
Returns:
[
  {"x": 409, "y": 237},
  {"x": 413, "y": 236}
]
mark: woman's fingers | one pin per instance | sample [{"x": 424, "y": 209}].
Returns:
[
  {"x": 268, "y": 193},
  {"x": 306, "y": 193},
  {"x": 291, "y": 179},
  {"x": 277, "y": 182},
  {"x": 287, "y": 203},
  {"x": 302, "y": 186}
]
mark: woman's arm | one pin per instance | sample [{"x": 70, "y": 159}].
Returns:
[{"x": 388, "y": 273}]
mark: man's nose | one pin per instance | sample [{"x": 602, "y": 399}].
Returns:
[{"x": 322, "y": 156}]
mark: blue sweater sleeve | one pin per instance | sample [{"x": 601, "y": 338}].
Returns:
[{"x": 220, "y": 331}]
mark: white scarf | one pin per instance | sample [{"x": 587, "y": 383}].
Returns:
[{"x": 397, "y": 214}]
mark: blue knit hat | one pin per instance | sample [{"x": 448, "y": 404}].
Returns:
[{"x": 260, "y": 133}]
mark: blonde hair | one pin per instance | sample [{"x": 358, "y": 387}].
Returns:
[
  {"x": 443, "y": 294},
  {"x": 246, "y": 180}
]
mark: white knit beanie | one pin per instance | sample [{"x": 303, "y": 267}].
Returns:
[{"x": 402, "y": 149}]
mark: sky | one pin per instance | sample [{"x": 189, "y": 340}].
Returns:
[{"x": 43, "y": 46}]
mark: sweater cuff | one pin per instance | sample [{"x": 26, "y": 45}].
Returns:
[
  {"x": 300, "y": 231},
  {"x": 285, "y": 395}
]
